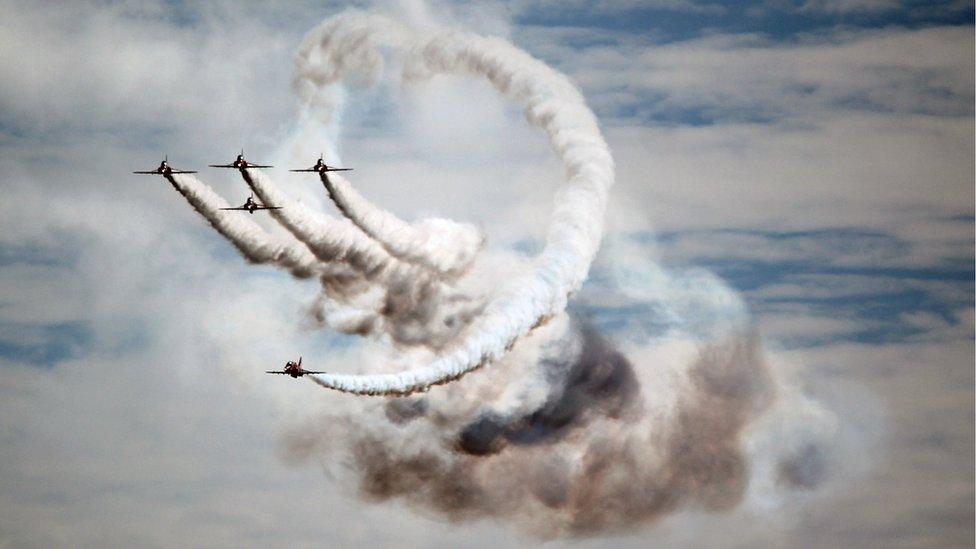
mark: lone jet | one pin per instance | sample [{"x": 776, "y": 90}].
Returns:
[
  {"x": 250, "y": 206},
  {"x": 293, "y": 369},
  {"x": 240, "y": 163},
  {"x": 164, "y": 169},
  {"x": 320, "y": 166}
]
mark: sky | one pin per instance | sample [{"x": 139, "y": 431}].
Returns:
[{"x": 812, "y": 160}]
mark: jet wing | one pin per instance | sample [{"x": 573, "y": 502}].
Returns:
[
  {"x": 269, "y": 207},
  {"x": 149, "y": 173},
  {"x": 276, "y": 372},
  {"x": 258, "y": 166},
  {"x": 337, "y": 170},
  {"x": 311, "y": 372},
  {"x": 242, "y": 208},
  {"x": 222, "y": 166},
  {"x": 305, "y": 170},
  {"x": 182, "y": 171}
]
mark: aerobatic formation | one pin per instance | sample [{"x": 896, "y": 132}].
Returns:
[
  {"x": 401, "y": 281},
  {"x": 568, "y": 434}
]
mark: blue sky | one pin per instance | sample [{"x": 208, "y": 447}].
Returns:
[
  {"x": 778, "y": 20},
  {"x": 805, "y": 167}
]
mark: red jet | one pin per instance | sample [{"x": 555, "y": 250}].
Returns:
[
  {"x": 250, "y": 206},
  {"x": 164, "y": 169},
  {"x": 320, "y": 166},
  {"x": 240, "y": 163},
  {"x": 294, "y": 369}
]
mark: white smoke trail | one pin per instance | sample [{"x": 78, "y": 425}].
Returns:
[
  {"x": 412, "y": 308},
  {"x": 441, "y": 245},
  {"x": 330, "y": 239},
  {"x": 351, "y": 42},
  {"x": 261, "y": 247},
  {"x": 247, "y": 236}
]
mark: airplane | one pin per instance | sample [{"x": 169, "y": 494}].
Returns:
[
  {"x": 240, "y": 163},
  {"x": 164, "y": 169},
  {"x": 250, "y": 206},
  {"x": 320, "y": 166},
  {"x": 294, "y": 369}
]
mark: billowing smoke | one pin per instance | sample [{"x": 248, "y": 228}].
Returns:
[
  {"x": 568, "y": 437},
  {"x": 564, "y": 431}
]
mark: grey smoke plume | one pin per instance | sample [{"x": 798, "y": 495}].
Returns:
[
  {"x": 584, "y": 446},
  {"x": 571, "y": 436}
]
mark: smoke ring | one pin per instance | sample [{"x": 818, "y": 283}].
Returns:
[{"x": 350, "y": 44}]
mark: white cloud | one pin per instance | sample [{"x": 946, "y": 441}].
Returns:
[
  {"x": 924, "y": 70},
  {"x": 854, "y": 170}
]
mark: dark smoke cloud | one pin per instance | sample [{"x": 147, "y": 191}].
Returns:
[
  {"x": 806, "y": 469},
  {"x": 404, "y": 410},
  {"x": 590, "y": 459},
  {"x": 601, "y": 381}
]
